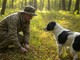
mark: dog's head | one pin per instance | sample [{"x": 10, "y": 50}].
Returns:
[{"x": 50, "y": 26}]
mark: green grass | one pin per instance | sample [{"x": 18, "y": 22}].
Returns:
[{"x": 42, "y": 43}]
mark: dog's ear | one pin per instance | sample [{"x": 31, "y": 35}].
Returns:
[{"x": 51, "y": 26}]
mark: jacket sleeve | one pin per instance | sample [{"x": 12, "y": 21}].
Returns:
[
  {"x": 12, "y": 32},
  {"x": 26, "y": 33}
]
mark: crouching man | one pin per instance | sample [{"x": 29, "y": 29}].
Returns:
[{"x": 10, "y": 27}]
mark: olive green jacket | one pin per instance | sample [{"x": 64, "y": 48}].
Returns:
[{"x": 13, "y": 24}]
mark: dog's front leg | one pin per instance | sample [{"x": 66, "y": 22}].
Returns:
[
  {"x": 75, "y": 54},
  {"x": 60, "y": 49}
]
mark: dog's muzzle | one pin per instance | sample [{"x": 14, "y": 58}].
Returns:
[{"x": 45, "y": 29}]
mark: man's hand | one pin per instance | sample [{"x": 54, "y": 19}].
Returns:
[
  {"x": 22, "y": 50},
  {"x": 27, "y": 46}
]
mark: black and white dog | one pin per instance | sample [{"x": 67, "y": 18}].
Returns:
[{"x": 65, "y": 37}]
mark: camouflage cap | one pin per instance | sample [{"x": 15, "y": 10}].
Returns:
[{"x": 29, "y": 10}]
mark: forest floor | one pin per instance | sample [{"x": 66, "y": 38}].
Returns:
[{"x": 43, "y": 45}]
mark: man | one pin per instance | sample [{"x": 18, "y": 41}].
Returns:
[{"x": 10, "y": 27}]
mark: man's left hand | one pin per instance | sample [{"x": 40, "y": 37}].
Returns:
[{"x": 27, "y": 46}]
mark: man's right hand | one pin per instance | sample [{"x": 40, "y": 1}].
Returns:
[{"x": 22, "y": 50}]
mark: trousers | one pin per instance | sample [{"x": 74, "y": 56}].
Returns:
[{"x": 4, "y": 42}]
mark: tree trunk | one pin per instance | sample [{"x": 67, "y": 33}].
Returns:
[
  {"x": 55, "y": 3},
  {"x": 41, "y": 5},
  {"x": 25, "y": 2},
  {"x": 12, "y": 3},
  {"x": 48, "y": 4},
  {"x": 3, "y": 7},
  {"x": 35, "y": 4},
  {"x": 63, "y": 5},
  {"x": 21, "y": 4},
  {"x": 59, "y": 4},
  {"x": 77, "y": 7},
  {"x": 70, "y": 1},
  {"x": 52, "y": 6}
]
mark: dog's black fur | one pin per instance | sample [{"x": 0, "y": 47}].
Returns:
[
  {"x": 76, "y": 44},
  {"x": 64, "y": 34}
]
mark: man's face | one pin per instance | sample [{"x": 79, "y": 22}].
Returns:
[{"x": 27, "y": 17}]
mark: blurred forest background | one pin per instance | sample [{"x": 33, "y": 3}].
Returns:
[
  {"x": 68, "y": 5},
  {"x": 43, "y": 45}
]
